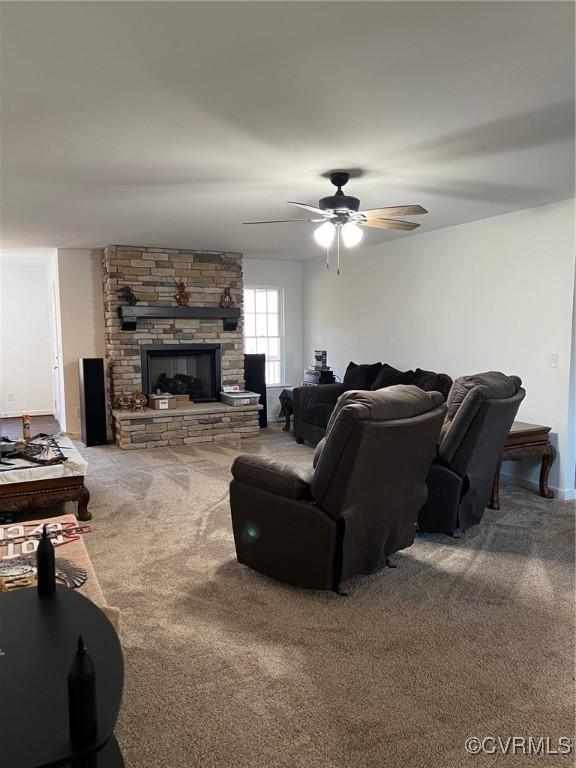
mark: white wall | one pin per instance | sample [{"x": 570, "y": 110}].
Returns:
[
  {"x": 25, "y": 352},
  {"x": 492, "y": 294},
  {"x": 82, "y": 321},
  {"x": 287, "y": 275}
]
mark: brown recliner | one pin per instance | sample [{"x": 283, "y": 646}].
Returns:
[
  {"x": 481, "y": 410},
  {"x": 355, "y": 507}
]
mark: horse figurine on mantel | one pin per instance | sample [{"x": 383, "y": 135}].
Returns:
[{"x": 183, "y": 296}]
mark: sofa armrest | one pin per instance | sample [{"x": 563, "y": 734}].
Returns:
[
  {"x": 273, "y": 476},
  {"x": 305, "y": 397},
  {"x": 288, "y": 539}
]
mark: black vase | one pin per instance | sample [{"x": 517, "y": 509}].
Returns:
[
  {"x": 82, "y": 716},
  {"x": 45, "y": 565}
]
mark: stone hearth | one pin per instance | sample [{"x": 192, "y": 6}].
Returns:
[{"x": 201, "y": 423}]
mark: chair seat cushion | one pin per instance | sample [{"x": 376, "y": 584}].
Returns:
[
  {"x": 318, "y": 414},
  {"x": 360, "y": 376}
]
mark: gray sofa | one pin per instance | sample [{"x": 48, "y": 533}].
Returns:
[
  {"x": 481, "y": 410},
  {"x": 314, "y": 405},
  {"x": 358, "y": 503}
]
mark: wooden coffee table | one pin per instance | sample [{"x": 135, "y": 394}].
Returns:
[
  {"x": 526, "y": 441},
  {"x": 25, "y": 486},
  {"x": 20, "y": 497}
]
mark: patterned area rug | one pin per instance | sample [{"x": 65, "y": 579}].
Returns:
[
  {"x": 18, "y": 543},
  {"x": 225, "y": 667}
]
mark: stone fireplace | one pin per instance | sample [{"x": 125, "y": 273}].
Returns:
[{"x": 158, "y": 344}]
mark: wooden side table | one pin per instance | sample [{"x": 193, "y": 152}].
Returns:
[{"x": 525, "y": 441}]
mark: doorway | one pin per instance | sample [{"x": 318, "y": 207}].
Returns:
[{"x": 26, "y": 360}]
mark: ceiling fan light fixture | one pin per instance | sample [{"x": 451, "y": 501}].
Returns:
[
  {"x": 324, "y": 235},
  {"x": 342, "y": 220},
  {"x": 351, "y": 234}
]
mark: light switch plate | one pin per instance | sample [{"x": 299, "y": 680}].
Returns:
[{"x": 553, "y": 359}]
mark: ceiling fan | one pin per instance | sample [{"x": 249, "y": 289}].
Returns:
[{"x": 339, "y": 217}]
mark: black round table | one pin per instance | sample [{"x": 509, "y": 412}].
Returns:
[{"x": 38, "y": 637}]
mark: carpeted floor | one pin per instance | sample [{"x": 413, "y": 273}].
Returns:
[{"x": 224, "y": 667}]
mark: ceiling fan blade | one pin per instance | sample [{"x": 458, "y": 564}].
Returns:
[
  {"x": 388, "y": 224},
  {"x": 278, "y": 221},
  {"x": 307, "y": 207},
  {"x": 394, "y": 210}
]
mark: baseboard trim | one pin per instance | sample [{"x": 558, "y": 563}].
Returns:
[
  {"x": 17, "y": 414},
  {"x": 562, "y": 494}
]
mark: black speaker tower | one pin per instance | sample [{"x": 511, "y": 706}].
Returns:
[
  {"x": 92, "y": 401},
  {"x": 255, "y": 377}
]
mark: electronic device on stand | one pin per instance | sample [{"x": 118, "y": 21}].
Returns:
[{"x": 320, "y": 372}]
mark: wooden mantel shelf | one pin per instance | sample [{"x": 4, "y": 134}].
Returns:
[{"x": 130, "y": 315}]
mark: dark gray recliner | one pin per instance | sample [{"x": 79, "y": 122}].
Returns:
[
  {"x": 355, "y": 507},
  {"x": 481, "y": 410}
]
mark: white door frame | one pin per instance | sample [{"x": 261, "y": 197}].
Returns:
[{"x": 56, "y": 347}]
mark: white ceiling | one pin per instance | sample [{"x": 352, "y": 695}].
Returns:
[{"x": 170, "y": 124}]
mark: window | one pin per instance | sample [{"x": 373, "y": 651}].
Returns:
[{"x": 263, "y": 328}]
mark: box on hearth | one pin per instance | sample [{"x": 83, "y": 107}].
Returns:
[{"x": 162, "y": 402}]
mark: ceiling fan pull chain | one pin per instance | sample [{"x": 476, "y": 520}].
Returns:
[
  {"x": 328, "y": 258},
  {"x": 338, "y": 250}
]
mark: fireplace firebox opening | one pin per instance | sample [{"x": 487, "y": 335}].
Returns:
[{"x": 182, "y": 369}]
